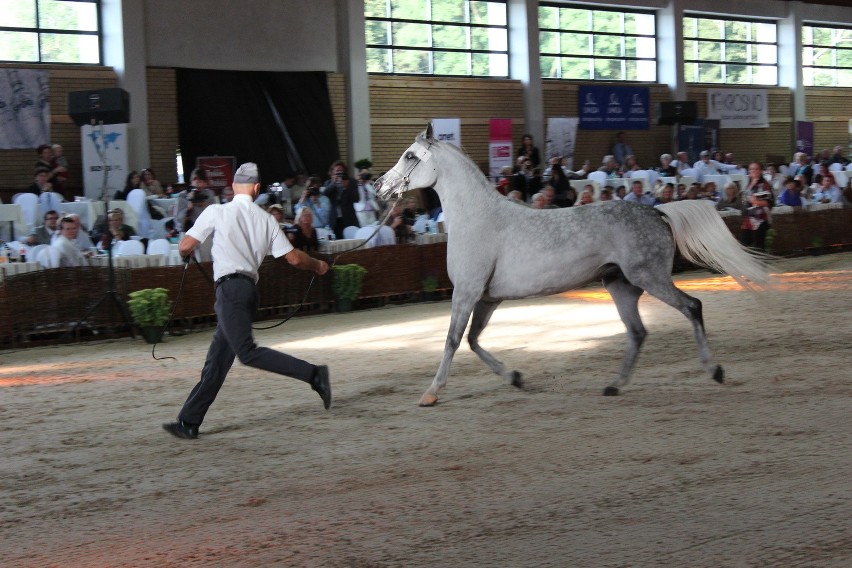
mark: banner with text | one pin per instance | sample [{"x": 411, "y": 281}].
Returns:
[
  {"x": 738, "y": 108},
  {"x": 447, "y": 129},
  {"x": 104, "y": 148},
  {"x": 24, "y": 108},
  {"x": 220, "y": 170},
  {"x": 613, "y": 108},
  {"x": 561, "y": 139},
  {"x": 805, "y": 137},
  {"x": 500, "y": 145}
]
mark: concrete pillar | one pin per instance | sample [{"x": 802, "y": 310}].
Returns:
[
  {"x": 790, "y": 57},
  {"x": 123, "y": 24},
  {"x": 524, "y": 65},
  {"x": 670, "y": 49},
  {"x": 352, "y": 62}
]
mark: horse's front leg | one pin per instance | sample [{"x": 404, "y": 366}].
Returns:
[
  {"x": 481, "y": 315},
  {"x": 462, "y": 307}
]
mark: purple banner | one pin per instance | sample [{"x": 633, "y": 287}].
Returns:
[{"x": 805, "y": 137}]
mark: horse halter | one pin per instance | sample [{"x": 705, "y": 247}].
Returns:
[{"x": 423, "y": 155}]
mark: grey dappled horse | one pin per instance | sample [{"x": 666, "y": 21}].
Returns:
[{"x": 498, "y": 249}]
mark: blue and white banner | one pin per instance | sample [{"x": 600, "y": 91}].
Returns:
[
  {"x": 447, "y": 129},
  {"x": 613, "y": 108},
  {"x": 24, "y": 108},
  {"x": 105, "y": 162}
]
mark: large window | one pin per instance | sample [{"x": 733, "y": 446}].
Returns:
[
  {"x": 827, "y": 56},
  {"x": 578, "y": 43},
  {"x": 735, "y": 52},
  {"x": 50, "y": 31},
  {"x": 437, "y": 37}
]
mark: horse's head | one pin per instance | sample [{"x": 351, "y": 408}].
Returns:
[{"x": 412, "y": 171}]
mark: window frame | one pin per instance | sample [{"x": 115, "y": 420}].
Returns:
[
  {"x": 431, "y": 49},
  {"x": 724, "y": 64},
  {"x": 591, "y": 57},
  {"x": 833, "y": 48},
  {"x": 40, "y": 31}
]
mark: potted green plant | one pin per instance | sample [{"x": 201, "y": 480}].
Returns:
[
  {"x": 430, "y": 287},
  {"x": 346, "y": 284},
  {"x": 364, "y": 164},
  {"x": 150, "y": 310}
]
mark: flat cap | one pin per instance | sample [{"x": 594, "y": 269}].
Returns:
[{"x": 247, "y": 173}]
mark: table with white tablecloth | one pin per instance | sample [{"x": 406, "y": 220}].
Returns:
[
  {"x": 338, "y": 246},
  {"x": 430, "y": 238},
  {"x": 15, "y": 268},
  {"x": 129, "y": 261}
]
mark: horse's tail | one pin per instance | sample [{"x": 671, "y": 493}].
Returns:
[{"x": 703, "y": 238}]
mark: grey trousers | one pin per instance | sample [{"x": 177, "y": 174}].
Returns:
[{"x": 236, "y": 303}]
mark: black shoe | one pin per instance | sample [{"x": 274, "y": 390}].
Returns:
[
  {"x": 321, "y": 384},
  {"x": 181, "y": 429}
]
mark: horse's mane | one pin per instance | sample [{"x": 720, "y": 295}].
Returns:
[{"x": 466, "y": 162}]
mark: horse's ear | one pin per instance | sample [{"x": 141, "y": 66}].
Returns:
[{"x": 429, "y": 133}]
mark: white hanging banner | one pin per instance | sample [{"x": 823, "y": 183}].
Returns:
[
  {"x": 739, "y": 108},
  {"x": 447, "y": 129},
  {"x": 561, "y": 139},
  {"x": 104, "y": 148},
  {"x": 24, "y": 108}
]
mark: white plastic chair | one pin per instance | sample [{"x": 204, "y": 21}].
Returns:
[
  {"x": 138, "y": 201},
  {"x": 32, "y": 254},
  {"x": 849, "y": 167},
  {"x": 49, "y": 201},
  {"x": 349, "y": 232},
  {"x": 835, "y": 167},
  {"x": 128, "y": 248},
  {"x": 159, "y": 246},
  {"x": 599, "y": 177},
  {"x": 12, "y": 215},
  {"x": 49, "y": 257},
  {"x": 380, "y": 238},
  {"x": 323, "y": 233},
  {"x": 28, "y": 203},
  {"x": 841, "y": 178}
]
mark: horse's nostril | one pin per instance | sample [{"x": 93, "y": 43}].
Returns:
[{"x": 377, "y": 185}]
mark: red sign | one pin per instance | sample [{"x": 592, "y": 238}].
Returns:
[
  {"x": 220, "y": 170},
  {"x": 500, "y": 129}
]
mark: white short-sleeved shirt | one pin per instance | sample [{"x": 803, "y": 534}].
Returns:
[{"x": 243, "y": 234}]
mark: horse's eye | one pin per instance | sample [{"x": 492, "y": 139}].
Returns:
[{"x": 410, "y": 156}]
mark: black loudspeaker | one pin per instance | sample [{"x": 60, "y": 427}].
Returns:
[
  {"x": 677, "y": 112},
  {"x": 110, "y": 106}
]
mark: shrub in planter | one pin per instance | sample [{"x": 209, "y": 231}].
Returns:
[
  {"x": 150, "y": 310},
  {"x": 346, "y": 283}
]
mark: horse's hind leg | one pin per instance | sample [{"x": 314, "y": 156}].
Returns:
[
  {"x": 691, "y": 308},
  {"x": 626, "y": 298},
  {"x": 481, "y": 315},
  {"x": 462, "y": 307}
]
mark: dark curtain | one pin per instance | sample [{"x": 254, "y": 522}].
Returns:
[{"x": 263, "y": 117}]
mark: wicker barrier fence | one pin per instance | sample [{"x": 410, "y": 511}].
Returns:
[{"x": 56, "y": 305}]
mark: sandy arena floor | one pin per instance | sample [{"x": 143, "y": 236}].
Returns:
[{"x": 678, "y": 471}]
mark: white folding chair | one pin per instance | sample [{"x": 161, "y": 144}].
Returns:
[
  {"x": 28, "y": 203},
  {"x": 13, "y": 216},
  {"x": 49, "y": 257},
  {"x": 835, "y": 167},
  {"x": 159, "y": 246},
  {"x": 841, "y": 178},
  {"x": 599, "y": 177},
  {"x": 138, "y": 201},
  {"x": 323, "y": 233},
  {"x": 32, "y": 254},
  {"x": 349, "y": 232},
  {"x": 49, "y": 201},
  {"x": 128, "y": 248}
]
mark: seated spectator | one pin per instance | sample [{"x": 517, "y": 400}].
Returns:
[
  {"x": 516, "y": 195},
  {"x": 680, "y": 192},
  {"x": 564, "y": 194},
  {"x": 820, "y": 171},
  {"x": 114, "y": 230},
  {"x": 41, "y": 182},
  {"x": 505, "y": 180},
  {"x": 606, "y": 194},
  {"x": 583, "y": 172},
  {"x": 801, "y": 166},
  {"x": 535, "y": 184},
  {"x": 319, "y": 204},
  {"x": 837, "y": 157},
  {"x": 402, "y": 222},
  {"x": 43, "y": 234},
  {"x": 828, "y": 192},
  {"x": 637, "y": 194},
  {"x": 665, "y": 194},
  {"x": 693, "y": 192},
  {"x": 630, "y": 165},
  {"x": 59, "y": 165},
  {"x": 792, "y": 194},
  {"x": 774, "y": 178},
  {"x": 731, "y": 199},
  {"x": 539, "y": 201},
  {"x": 227, "y": 195},
  {"x": 666, "y": 167},
  {"x": 83, "y": 242},
  {"x": 133, "y": 181},
  {"x": 66, "y": 243},
  {"x": 610, "y": 167},
  {"x": 682, "y": 162},
  {"x": 587, "y": 196},
  {"x": 709, "y": 191},
  {"x": 277, "y": 211},
  {"x": 549, "y": 197},
  {"x": 150, "y": 183},
  {"x": 620, "y": 192},
  {"x": 303, "y": 235}
]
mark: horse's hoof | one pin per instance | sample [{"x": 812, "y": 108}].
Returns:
[
  {"x": 611, "y": 391},
  {"x": 719, "y": 374},
  {"x": 516, "y": 380},
  {"x": 428, "y": 399}
]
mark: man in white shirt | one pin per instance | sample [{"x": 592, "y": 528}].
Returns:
[
  {"x": 637, "y": 195},
  {"x": 245, "y": 233},
  {"x": 66, "y": 243}
]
